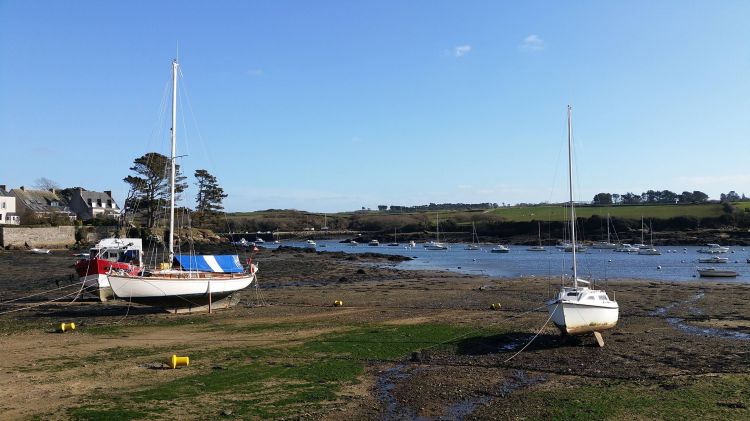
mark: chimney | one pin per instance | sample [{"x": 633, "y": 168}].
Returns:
[
  {"x": 108, "y": 193},
  {"x": 52, "y": 190},
  {"x": 22, "y": 188},
  {"x": 3, "y": 187}
]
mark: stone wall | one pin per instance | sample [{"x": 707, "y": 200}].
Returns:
[
  {"x": 94, "y": 234},
  {"x": 46, "y": 237}
]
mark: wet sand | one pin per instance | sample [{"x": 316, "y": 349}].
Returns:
[{"x": 672, "y": 339}]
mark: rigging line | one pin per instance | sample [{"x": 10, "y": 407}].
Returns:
[
  {"x": 39, "y": 293},
  {"x": 535, "y": 336}
]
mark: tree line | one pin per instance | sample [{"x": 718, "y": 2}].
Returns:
[
  {"x": 438, "y": 206},
  {"x": 660, "y": 196}
]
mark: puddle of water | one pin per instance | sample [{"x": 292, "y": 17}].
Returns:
[
  {"x": 695, "y": 330},
  {"x": 707, "y": 331},
  {"x": 384, "y": 392},
  {"x": 519, "y": 380},
  {"x": 459, "y": 410}
]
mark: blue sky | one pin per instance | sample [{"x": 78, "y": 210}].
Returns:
[{"x": 334, "y": 105}]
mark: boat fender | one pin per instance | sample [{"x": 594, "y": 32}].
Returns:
[
  {"x": 658, "y": 267},
  {"x": 495, "y": 306},
  {"x": 65, "y": 327},
  {"x": 338, "y": 303},
  {"x": 176, "y": 361}
]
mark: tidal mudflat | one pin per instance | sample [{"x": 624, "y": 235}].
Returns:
[{"x": 405, "y": 344}]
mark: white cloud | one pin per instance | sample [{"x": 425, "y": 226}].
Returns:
[
  {"x": 461, "y": 50},
  {"x": 532, "y": 43}
]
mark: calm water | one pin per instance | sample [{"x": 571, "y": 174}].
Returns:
[{"x": 679, "y": 265}]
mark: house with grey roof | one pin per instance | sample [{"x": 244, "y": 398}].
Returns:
[
  {"x": 8, "y": 215},
  {"x": 41, "y": 203},
  {"x": 91, "y": 204}
]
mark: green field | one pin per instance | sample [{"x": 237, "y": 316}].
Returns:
[{"x": 559, "y": 213}]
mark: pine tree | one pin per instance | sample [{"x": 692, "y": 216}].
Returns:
[
  {"x": 210, "y": 195},
  {"x": 149, "y": 188}
]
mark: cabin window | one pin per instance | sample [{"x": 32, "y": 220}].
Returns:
[
  {"x": 572, "y": 294},
  {"x": 591, "y": 297},
  {"x": 3, "y": 205}
]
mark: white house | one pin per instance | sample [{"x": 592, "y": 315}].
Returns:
[{"x": 8, "y": 215}]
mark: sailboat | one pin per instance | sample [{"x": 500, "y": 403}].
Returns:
[
  {"x": 395, "y": 241},
  {"x": 184, "y": 281},
  {"x": 649, "y": 250},
  {"x": 605, "y": 245},
  {"x": 641, "y": 245},
  {"x": 579, "y": 309},
  {"x": 538, "y": 247},
  {"x": 474, "y": 239},
  {"x": 436, "y": 245}
]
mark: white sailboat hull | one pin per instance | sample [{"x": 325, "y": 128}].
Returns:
[
  {"x": 575, "y": 318},
  {"x": 155, "y": 287}
]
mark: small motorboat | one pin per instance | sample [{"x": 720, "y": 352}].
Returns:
[
  {"x": 40, "y": 251},
  {"x": 713, "y": 249},
  {"x": 500, "y": 249},
  {"x": 717, "y": 273},
  {"x": 373, "y": 243},
  {"x": 714, "y": 259}
]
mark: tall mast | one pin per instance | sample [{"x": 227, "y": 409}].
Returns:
[
  {"x": 172, "y": 160},
  {"x": 641, "y": 229},
  {"x": 608, "y": 242},
  {"x": 570, "y": 185},
  {"x": 437, "y": 226}
]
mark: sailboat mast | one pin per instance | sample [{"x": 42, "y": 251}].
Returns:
[
  {"x": 641, "y": 229},
  {"x": 608, "y": 242},
  {"x": 570, "y": 188},
  {"x": 437, "y": 227},
  {"x": 172, "y": 160}
]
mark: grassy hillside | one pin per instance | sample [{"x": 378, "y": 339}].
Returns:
[
  {"x": 491, "y": 221},
  {"x": 558, "y": 213}
]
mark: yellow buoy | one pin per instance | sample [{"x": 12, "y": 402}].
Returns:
[
  {"x": 179, "y": 361},
  {"x": 64, "y": 327},
  {"x": 495, "y": 306},
  {"x": 338, "y": 303},
  {"x": 165, "y": 266}
]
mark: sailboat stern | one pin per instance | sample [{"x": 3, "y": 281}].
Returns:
[{"x": 577, "y": 318}]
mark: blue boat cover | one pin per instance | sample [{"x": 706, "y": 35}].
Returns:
[{"x": 228, "y": 263}]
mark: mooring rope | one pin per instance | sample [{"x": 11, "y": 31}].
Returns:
[
  {"x": 535, "y": 336},
  {"x": 39, "y": 304},
  {"x": 37, "y": 294},
  {"x": 481, "y": 329}
]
